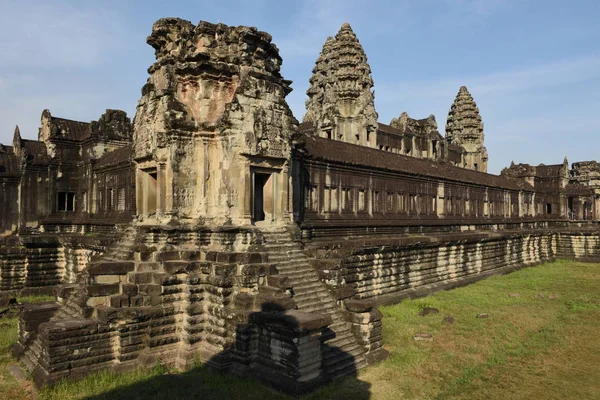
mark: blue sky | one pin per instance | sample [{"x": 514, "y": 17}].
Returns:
[{"x": 533, "y": 66}]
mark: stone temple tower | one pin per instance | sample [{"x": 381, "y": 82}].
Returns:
[
  {"x": 340, "y": 100},
  {"x": 212, "y": 130},
  {"x": 465, "y": 128}
]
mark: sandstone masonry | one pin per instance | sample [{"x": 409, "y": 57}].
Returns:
[{"x": 215, "y": 228}]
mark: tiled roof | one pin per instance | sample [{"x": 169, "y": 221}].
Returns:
[
  {"x": 579, "y": 190},
  {"x": 35, "y": 152},
  {"x": 548, "y": 171},
  {"x": 115, "y": 157},
  {"x": 9, "y": 163},
  {"x": 69, "y": 129},
  {"x": 346, "y": 153}
]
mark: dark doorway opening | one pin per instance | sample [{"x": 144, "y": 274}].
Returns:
[
  {"x": 548, "y": 208},
  {"x": 260, "y": 196},
  {"x": 149, "y": 192},
  {"x": 570, "y": 207}
]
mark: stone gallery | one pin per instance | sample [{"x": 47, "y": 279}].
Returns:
[{"x": 216, "y": 228}]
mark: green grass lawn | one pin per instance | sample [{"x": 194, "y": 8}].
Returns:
[{"x": 532, "y": 346}]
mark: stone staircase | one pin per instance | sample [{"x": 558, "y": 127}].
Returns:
[{"x": 343, "y": 354}]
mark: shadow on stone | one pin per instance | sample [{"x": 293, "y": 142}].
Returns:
[{"x": 283, "y": 349}]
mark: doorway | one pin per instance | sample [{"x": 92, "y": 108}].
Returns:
[
  {"x": 263, "y": 197},
  {"x": 149, "y": 191}
]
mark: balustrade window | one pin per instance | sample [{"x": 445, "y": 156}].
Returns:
[
  {"x": 121, "y": 199},
  {"x": 389, "y": 203},
  {"x": 66, "y": 201},
  {"x": 376, "y": 201},
  {"x": 401, "y": 203},
  {"x": 347, "y": 205},
  {"x": 361, "y": 200}
]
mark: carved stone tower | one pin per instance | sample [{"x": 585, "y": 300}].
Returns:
[
  {"x": 212, "y": 133},
  {"x": 464, "y": 127},
  {"x": 340, "y": 100}
]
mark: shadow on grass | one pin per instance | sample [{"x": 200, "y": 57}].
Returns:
[{"x": 268, "y": 368}]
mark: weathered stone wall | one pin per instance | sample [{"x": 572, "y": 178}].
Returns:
[
  {"x": 169, "y": 293},
  {"x": 30, "y": 264},
  {"x": 341, "y": 184},
  {"x": 415, "y": 266},
  {"x": 9, "y": 199},
  {"x": 212, "y": 112}
]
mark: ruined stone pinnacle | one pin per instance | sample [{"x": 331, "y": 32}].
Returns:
[
  {"x": 464, "y": 120},
  {"x": 340, "y": 99},
  {"x": 464, "y": 127}
]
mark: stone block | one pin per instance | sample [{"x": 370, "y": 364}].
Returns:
[
  {"x": 297, "y": 321},
  {"x": 111, "y": 268},
  {"x": 225, "y": 257},
  {"x": 169, "y": 256},
  {"x": 102, "y": 290},
  {"x": 176, "y": 267},
  {"x": 129, "y": 289},
  {"x": 343, "y": 292},
  {"x": 359, "y": 306},
  {"x": 150, "y": 289},
  {"x": 118, "y": 301}
]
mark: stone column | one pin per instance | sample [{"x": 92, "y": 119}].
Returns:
[
  {"x": 161, "y": 195},
  {"x": 441, "y": 199}
]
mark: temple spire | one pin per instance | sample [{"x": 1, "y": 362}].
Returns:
[
  {"x": 341, "y": 104},
  {"x": 465, "y": 128},
  {"x": 17, "y": 141}
]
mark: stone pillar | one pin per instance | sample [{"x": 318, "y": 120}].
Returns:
[
  {"x": 520, "y": 204},
  {"x": 161, "y": 195},
  {"x": 366, "y": 326},
  {"x": 283, "y": 349},
  {"x": 441, "y": 199}
]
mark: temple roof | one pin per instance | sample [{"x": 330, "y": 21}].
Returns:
[
  {"x": 351, "y": 154},
  {"x": 113, "y": 124},
  {"x": 540, "y": 171},
  {"x": 549, "y": 171},
  {"x": 69, "y": 129},
  {"x": 35, "y": 152},
  {"x": 579, "y": 190},
  {"x": 419, "y": 127},
  {"x": 115, "y": 157},
  {"x": 9, "y": 163}
]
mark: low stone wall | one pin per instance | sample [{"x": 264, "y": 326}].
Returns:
[
  {"x": 35, "y": 263},
  {"x": 414, "y": 266}
]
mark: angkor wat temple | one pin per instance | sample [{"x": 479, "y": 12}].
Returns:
[{"x": 217, "y": 228}]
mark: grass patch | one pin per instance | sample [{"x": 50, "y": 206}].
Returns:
[{"x": 542, "y": 343}]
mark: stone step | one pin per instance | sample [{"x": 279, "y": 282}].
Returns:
[
  {"x": 344, "y": 340},
  {"x": 291, "y": 266},
  {"x": 308, "y": 286},
  {"x": 345, "y": 366},
  {"x": 343, "y": 354},
  {"x": 98, "y": 290}
]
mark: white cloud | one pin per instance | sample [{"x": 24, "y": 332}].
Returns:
[{"x": 556, "y": 73}]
